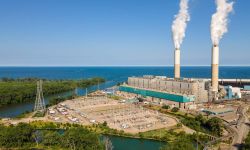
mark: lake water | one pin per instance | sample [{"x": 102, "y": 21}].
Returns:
[
  {"x": 113, "y": 75},
  {"x": 122, "y": 143},
  {"x": 118, "y": 73}
]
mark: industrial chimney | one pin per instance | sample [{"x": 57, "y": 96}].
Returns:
[
  {"x": 215, "y": 68},
  {"x": 177, "y": 63}
]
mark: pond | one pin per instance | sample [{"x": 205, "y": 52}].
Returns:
[{"x": 124, "y": 143}]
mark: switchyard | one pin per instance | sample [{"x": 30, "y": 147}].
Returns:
[{"x": 131, "y": 118}]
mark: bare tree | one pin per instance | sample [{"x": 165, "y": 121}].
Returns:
[{"x": 108, "y": 143}]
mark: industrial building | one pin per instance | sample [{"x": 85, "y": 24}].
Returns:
[
  {"x": 247, "y": 87},
  {"x": 178, "y": 92},
  {"x": 218, "y": 111},
  {"x": 232, "y": 92}
]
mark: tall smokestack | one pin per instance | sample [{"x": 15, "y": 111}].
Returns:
[
  {"x": 218, "y": 29},
  {"x": 215, "y": 68},
  {"x": 177, "y": 58},
  {"x": 178, "y": 30}
]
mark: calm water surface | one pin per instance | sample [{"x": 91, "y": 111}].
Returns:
[{"x": 122, "y": 143}]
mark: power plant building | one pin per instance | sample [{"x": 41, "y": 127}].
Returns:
[{"x": 178, "y": 92}]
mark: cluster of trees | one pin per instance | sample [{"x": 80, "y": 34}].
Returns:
[
  {"x": 22, "y": 90},
  {"x": 56, "y": 100},
  {"x": 174, "y": 109},
  {"x": 199, "y": 123},
  {"x": 26, "y": 136},
  {"x": 90, "y": 82},
  {"x": 183, "y": 142},
  {"x": 5, "y": 79},
  {"x": 186, "y": 141}
]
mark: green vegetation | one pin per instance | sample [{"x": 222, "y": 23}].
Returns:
[
  {"x": 176, "y": 140},
  {"x": 14, "y": 91},
  {"x": 165, "y": 107},
  {"x": 56, "y": 100},
  {"x": 246, "y": 145},
  {"x": 175, "y": 109},
  {"x": 39, "y": 114},
  {"x": 26, "y": 136},
  {"x": 182, "y": 143},
  {"x": 114, "y": 97},
  {"x": 198, "y": 123},
  {"x": 49, "y": 135},
  {"x": 97, "y": 128}
]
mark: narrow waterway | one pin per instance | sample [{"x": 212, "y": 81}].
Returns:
[{"x": 14, "y": 110}]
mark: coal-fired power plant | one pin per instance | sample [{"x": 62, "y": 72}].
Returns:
[
  {"x": 177, "y": 68},
  {"x": 182, "y": 92},
  {"x": 215, "y": 68}
]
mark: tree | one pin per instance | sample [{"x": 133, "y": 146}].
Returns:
[
  {"x": 16, "y": 136},
  {"x": 165, "y": 107},
  {"x": 175, "y": 109},
  {"x": 37, "y": 135},
  {"x": 14, "y": 91},
  {"x": 51, "y": 138},
  {"x": 80, "y": 138},
  {"x": 180, "y": 144},
  {"x": 215, "y": 126},
  {"x": 108, "y": 143},
  {"x": 200, "y": 118},
  {"x": 105, "y": 124}
]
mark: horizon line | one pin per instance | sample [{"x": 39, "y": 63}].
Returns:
[{"x": 121, "y": 66}]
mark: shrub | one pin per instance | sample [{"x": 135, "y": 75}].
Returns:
[
  {"x": 105, "y": 123},
  {"x": 175, "y": 109},
  {"x": 165, "y": 107}
]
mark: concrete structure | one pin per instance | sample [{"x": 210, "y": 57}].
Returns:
[
  {"x": 233, "y": 92},
  {"x": 200, "y": 89},
  {"x": 184, "y": 87},
  {"x": 177, "y": 68},
  {"x": 215, "y": 68},
  {"x": 247, "y": 87},
  {"x": 218, "y": 111},
  {"x": 172, "y": 99}
]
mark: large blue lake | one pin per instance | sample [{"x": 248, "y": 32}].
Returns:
[{"x": 117, "y": 73}]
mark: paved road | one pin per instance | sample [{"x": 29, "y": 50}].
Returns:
[
  {"x": 238, "y": 132},
  {"x": 242, "y": 129}
]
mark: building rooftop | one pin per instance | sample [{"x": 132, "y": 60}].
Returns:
[
  {"x": 158, "y": 94},
  {"x": 217, "y": 111},
  {"x": 165, "y": 78}
]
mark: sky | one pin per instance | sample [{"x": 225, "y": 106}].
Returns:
[{"x": 115, "y": 33}]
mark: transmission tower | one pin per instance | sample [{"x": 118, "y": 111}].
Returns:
[{"x": 39, "y": 103}]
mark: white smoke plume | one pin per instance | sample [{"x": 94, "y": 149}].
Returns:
[
  {"x": 220, "y": 20},
  {"x": 180, "y": 23}
]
